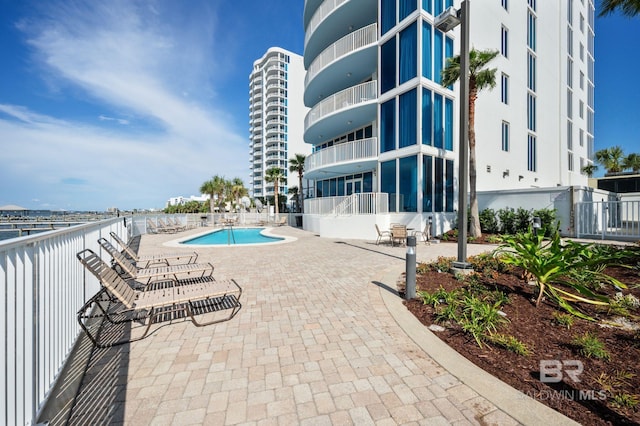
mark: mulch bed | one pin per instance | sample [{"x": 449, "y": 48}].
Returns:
[{"x": 588, "y": 400}]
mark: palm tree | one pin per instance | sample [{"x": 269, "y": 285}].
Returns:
[
  {"x": 589, "y": 169},
  {"x": 294, "y": 192},
  {"x": 215, "y": 189},
  {"x": 296, "y": 165},
  {"x": 275, "y": 175},
  {"x": 479, "y": 78},
  {"x": 238, "y": 190},
  {"x": 610, "y": 158},
  {"x": 632, "y": 161},
  {"x": 627, "y": 7}
]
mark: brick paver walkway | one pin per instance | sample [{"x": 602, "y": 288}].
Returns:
[{"x": 314, "y": 344}]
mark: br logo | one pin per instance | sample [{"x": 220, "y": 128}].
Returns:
[{"x": 553, "y": 370}]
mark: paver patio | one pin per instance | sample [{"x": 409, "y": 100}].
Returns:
[{"x": 314, "y": 344}]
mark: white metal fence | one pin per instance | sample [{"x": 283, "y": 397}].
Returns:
[
  {"x": 354, "y": 204},
  {"x": 42, "y": 286},
  {"x": 618, "y": 220}
]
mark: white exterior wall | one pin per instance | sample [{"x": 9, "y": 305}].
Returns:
[
  {"x": 487, "y": 19},
  {"x": 294, "y": 117}
]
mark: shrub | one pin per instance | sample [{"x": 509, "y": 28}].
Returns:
[
  {"x": 523, "y": 220},
  {"x": 488, "y": 221},
  {"x": 507, "y": 218},
  {"x": 547, "y": 220},
  {"x": 549, "y": 264}
]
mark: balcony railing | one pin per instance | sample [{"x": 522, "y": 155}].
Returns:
[
  {"x": 361, "y": 149},
  {"x": 42, "y": 286},
  {"x": 347, "y": 44},
  {"x": 344, "y": 99},
  {"x": 349, "y": 205},
  {"x": 326, "y": 9}
]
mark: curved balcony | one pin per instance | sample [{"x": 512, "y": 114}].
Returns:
[
  {"x": 310, "y": 7},
  {"x": 343, "y": 64},
  {"x": 341, "y": 159},
  {"x": 347, "y": 109},
  {"x": 325, "y": 26}
]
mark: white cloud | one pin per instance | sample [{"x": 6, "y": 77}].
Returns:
[{"x": 136, "y": 62}]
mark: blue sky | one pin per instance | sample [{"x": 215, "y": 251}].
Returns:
[{"x": 126, "y": 103}]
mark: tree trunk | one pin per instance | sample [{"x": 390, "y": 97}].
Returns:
[
  {"x": 276, "y": 199},
  {"x": 300, "y": 194},
  {"x": 474, "y": 215}
]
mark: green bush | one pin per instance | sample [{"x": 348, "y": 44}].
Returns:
[
  {"x": 488, "y": 221},
  {"x": 507, "y": 218},
  {"x": 523, "y": 220},
  {"x": 547, "y": 220}
]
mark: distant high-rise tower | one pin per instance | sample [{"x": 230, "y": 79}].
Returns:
[{"x": 276, "y": 118}]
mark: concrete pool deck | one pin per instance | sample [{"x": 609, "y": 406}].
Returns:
[{"x": 322, "y": 339}]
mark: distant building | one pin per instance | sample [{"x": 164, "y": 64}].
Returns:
[
  {"x": 276, "y": 119},
  {"x": 177, "y": 201},
  {"x": 621, "y": 183}
]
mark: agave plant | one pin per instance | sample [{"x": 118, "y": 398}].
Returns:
[{"x": 553, "y": 265}]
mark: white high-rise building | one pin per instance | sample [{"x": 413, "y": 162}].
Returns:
[
  {"x": 384, "y": 131},
  {"x": 276, "y": 119}
]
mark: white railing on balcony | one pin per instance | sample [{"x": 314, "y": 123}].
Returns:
[
  {"x": 347, "y": 44},
  {"x": 350, "y": 205},
  {"x": 361, "y": 149},
  {"x": 42, "y": 286},
  {"x": 344, "y": 99},
  {"x": 326, "y": 9}
]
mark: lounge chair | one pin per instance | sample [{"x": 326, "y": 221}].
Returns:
[
  {"x": 172, "y": 221},
  {"x": 156, "y": 229},
  {"x": 282, "y": 221},
  {"x": 169, "y": 228},
  {"x": 173, "y": 272},
  {"x": 382, "y": 235},
  {"x": 158, "y": 259},
  {"x": 115, "y": 314}
]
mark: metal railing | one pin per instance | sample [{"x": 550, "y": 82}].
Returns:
[
  {"x": 349, "y": 205},
  {"x": 346, "y": 98},
  {"x": 619, "y": 220},
  {"x": 326, "y": 9},
  {"x": 351, "y": 42},
  {"x": 42, "y": 286},
  {"x": 361, "y": 149}
]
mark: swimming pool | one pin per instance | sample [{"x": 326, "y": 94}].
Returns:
[{"x": 233, "y": 236}]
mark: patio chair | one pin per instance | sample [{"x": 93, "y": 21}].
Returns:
[
  {"x": 127, "y": 268},
  {"x": 424, "y": 235},
  {"x": 282, "y": 221},
  {"x": 157, "y": 259},
  {"x": 399, "y": 235},
  {"x": 118, "y": 314},
  {"x": 382, "y": 235}
]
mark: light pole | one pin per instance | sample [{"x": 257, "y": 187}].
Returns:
[{"x": 446, "y": 21}]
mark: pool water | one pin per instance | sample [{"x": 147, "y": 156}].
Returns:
[{"x": 230, "y": 236}]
